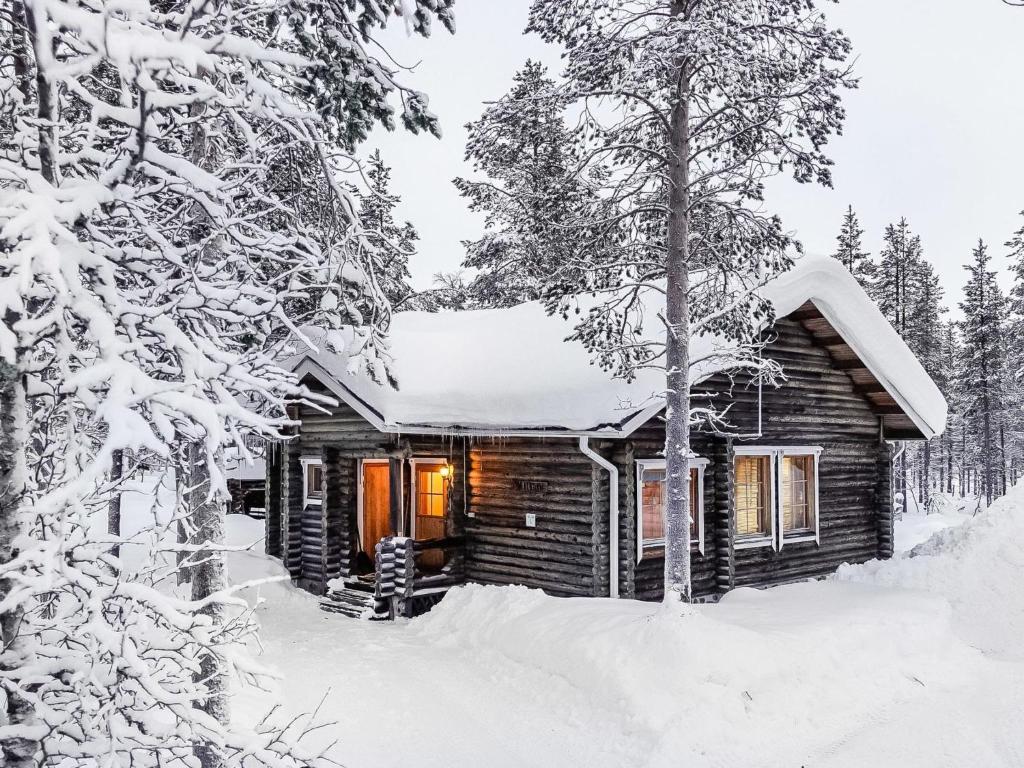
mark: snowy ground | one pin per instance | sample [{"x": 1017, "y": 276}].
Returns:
[{"x": 918, "y": 661}]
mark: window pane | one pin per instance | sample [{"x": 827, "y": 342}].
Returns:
[
  {"x": 797, "y": 493},
  {"x": 314, "y": 481},
  {"x": 431, "y": 491},
  {"x": 753, "y": 489},
  {"x": 652, "y": 504}
]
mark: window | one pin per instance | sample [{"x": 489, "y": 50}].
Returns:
[
  {"x": 776, "y": 496},
  {"x": 753, "y": 496},
  {"x": 312, "y": 481},
  {"x": 431, "y": 488},
  {"x": 797, "y": 497},
  {"x": 651, "y": 504}
]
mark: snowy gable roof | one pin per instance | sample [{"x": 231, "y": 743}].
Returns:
[{"x": 511, "y": 371}]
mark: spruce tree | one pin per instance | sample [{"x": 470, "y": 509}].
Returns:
[
  {"x": 850, "y": 250},
  {"x": 525, "y": 153},
  {"x": 393, "y": 243},
  {"x": 897, "y": 276},
  {"x": 981, "y": 370}
]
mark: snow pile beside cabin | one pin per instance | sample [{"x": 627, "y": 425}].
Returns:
[
  {"x": 977, "y": 566},
  {"x": 710, "y": 686},
  {"x": 910, "y": 662},
  {"x": 509, "y": 369}
]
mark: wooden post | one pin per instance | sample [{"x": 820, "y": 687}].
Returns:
[
  {"x": 272, "y": 499},
  {"x": 395, "y": 495},
  {"x": 725, "y": 515},
  {"x": 884, "y": 500}
]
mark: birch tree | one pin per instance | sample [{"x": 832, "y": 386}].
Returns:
[{"x": 689, "y": 105}]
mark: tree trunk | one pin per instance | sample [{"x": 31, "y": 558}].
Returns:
[
  {"x": 926, "y": 473},
  {"x": 986, "y": 464},
  {"x": 677, "y": 350},
  {"x": 114, "y": 507},
  {"x": 1002, "y": 460},
  {"x": 14, "y": 752},
  {"x": 208, "y": 576}
]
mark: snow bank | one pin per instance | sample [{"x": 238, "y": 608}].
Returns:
[
  {"x": 724, "y": 680},
  {"x": 977, "y": 566},
  {"x": 503, "y": 369}
]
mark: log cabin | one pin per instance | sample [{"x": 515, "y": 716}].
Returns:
[{"x": 504, "y": 456}]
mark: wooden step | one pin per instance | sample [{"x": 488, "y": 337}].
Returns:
[{"x": 354, "y": 600}]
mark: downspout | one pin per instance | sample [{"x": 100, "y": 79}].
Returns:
[{"x": 613, "y": 513}]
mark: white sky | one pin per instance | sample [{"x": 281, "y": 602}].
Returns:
[{"x": 935, "y": 132}]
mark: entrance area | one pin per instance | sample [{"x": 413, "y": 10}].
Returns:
[
  {"x": 376, "y": 504},
  {"x": 427, "y": 486}
]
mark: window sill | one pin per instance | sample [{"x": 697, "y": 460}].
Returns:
[
  {"x": 753, "y": 543},
  {"x": 654, "y": 551},
  {"x": 799, "y": 538},
  {"x": 312, "y": 502}
]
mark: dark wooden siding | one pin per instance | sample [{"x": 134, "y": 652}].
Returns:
[
  {"x": 510, "y": 478},
  {"x": 816, "y": 406},
  {"x": 645, "y": 580}
]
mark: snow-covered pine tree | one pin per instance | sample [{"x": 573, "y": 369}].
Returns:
[
  {"x": 528, "y": 195},
  {"x": 897, "y": 274},
  {"x": 687, "y": 107},
  {"x": 126, "y": 339},
  {"x": 981, "y": 369},
  {"x": 908, "y": 293},
  {"x": 850, "y": 250},
  {"x": 393, "y": 243},
  {"x": 1014, "y": 376},
  {"x": 950, "y": 355},
  {"x": 925, "y": 337}
]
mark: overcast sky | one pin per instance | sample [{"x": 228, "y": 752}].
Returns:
[{"x": 934, "y": 133}]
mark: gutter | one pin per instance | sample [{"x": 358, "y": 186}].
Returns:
[{"x": 613, "y": 513}]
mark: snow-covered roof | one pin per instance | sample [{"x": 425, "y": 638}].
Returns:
[{"x": 511, "y": 370}]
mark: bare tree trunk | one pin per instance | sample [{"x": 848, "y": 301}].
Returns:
[
  {"x": 986, "y": 464},
  {"x": 19, "y": 752},
  {"x": 114, "y": 508},
  {"x": 677, "y": 349},
  {"x": 208, "y": 576},
  {"x": 926, "y": 472},
  {"x": 1002, "y": 460},
  {"x": 14, "y": 752}
]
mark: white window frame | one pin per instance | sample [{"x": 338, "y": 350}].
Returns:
[
  {"x": 307, "y": 462},
  {"x": 777, "y": 537},
  {"x": 695, "y": 462},
  {"x": 413, "y": 499}
]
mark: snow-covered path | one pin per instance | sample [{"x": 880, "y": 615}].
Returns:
[{"x": 917, "y": 661}]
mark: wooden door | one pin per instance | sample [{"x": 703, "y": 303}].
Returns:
[
  {"x": 431, "y": 507},
  {"x": 376, "y": 504}
]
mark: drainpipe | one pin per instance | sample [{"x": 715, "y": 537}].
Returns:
[{"x": 613, "y": 513}]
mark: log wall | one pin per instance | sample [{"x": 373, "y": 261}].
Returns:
[
  {"x": 513, "y": 477},
  {"x": 816, "y": 406}
]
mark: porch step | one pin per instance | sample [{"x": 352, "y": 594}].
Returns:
[{"x": 354, "y": 600}]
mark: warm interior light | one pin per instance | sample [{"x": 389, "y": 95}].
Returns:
[{"x": 446, "y": 471}]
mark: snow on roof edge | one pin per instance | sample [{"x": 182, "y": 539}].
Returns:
[{"x": 820, "y": 280}]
